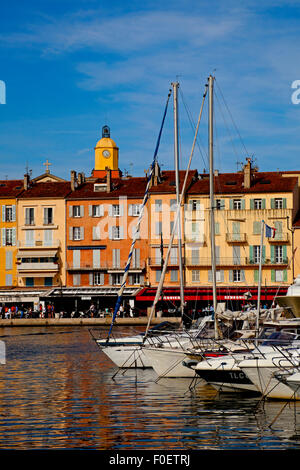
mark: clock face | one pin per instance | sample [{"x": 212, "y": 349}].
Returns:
[{"x": 106, "y": 153}]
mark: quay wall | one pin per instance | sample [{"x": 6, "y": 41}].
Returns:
[{"x": 142, "y": 321}]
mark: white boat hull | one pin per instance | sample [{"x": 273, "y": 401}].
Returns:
[
  {"x": 262, "y": 373},
  {"x": 126, "y": 356},
  {"x": 167, "y": 362}
]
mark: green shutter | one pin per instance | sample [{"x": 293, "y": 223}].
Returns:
[
  {"x": 230, "y": 275},
  {"x": 217, "y": 228},
  {"x": 263, "y": 254},
  {"x": 285, "y": 275},
  {"x": 272, "y": 254},
  {"x": 284, "y": 203},
  {"x": 222, "y": 203},
  {"x": 256, "y": 228},
  {"x": 263, "y": 203},
  {"x": 272, "y": 203},
  {"x": 273, "y": 275},
  {"x": 284, "y": 252},
  {"x": 251, "y": 254},
  {"x": 251, "y": 203},
  {"x": 243, "y": 203},
  {"x": 231, "y": 204},
  {"x": 256, "y": 272}
]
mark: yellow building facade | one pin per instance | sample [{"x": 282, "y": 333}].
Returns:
[
  {"x": 41, "y": 236},
  {"x": 9, "y": 190}
]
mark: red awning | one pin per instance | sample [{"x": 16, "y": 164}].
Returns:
[{"x": 206, "y": 294}]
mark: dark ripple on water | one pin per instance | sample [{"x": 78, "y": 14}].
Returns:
[{"x": 57, "y": 392}]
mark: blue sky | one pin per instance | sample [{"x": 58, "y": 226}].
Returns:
[{"x": 72, "y": 66}]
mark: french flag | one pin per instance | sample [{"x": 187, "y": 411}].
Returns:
[{"x": 270, "y": 231}]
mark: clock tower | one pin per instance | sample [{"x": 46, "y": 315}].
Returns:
[{"x": 106, "y": 156}]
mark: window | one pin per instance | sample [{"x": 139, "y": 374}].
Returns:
[
  {"x": 115, "y": 210},
  {"x": 174, "y": 255},
  {"x": 116, "y": 279},
  {"x": 174, "y": 275},
  {"x": 195, "y": 205},
  {"x": 116, "y": 233},
  {"x": 136, "y": 256},
  {"x": 29, "y": 282},
  {"x": 279, "y": 276},
  {"x": 29, "y": 216},
  {"x": 237, "y": 204},
  {"x": 237, "y": 275},
  {"x": 9, "y": 236},
  {"x": 8, "y": 214},
  {"x": 76, "y": 211},
  {"x": 135, "y": 279},
  {"x": 158, "y": 228},
  {"x": 76, "y": 233},
  {"x": 29, "y": 238},
  {"x": 256, "y": 254},
  {"x": 278, "y": 254},
  {"x": 48, "y": 215},
  {"x": 220, "y": 204},
  {"x": 116, "y": 258},
  {"x": 173, "y": 205},
  {"x": 48, "y": 281},
  {"x": 257, "y": 203},
  {"x": 96, "y": 211},
  {"x": 98, "y": 279},
  {"x": 195, "y": 275},
  {"x": 76, "y": 279},
  {"x": 278, "y": 203},
  {"x": 134, "y": 209},
  {"x": 157, "y": 276},
  {"x": 158, "y": 205}
]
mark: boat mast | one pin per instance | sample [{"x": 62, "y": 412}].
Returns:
[
  {"x": 211, "y": 196},
  {"x": 175, "y": 86}
]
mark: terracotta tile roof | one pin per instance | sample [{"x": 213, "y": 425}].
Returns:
[
  {"x": 232, "y": 183},
  {"x": 48, "y": 189},
  {"x": 10, "y": 188},
  {"x": 131, "y": 187}
]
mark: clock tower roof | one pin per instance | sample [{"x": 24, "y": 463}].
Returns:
[{"x": 106, "y": 142}]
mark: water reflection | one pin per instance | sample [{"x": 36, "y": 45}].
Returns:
[{"x": 57, "y": 392}]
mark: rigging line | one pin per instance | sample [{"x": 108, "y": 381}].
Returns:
[
  {"x": 242, "y": 142},
  {"x": 226, "y": 126},
  {"x": 146, "y": 196},
  {"x": 193, "y": 126}
]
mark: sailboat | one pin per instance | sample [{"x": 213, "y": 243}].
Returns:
[{"x": 126, "y": 352}]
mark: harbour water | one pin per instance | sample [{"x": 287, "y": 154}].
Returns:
[{"x": 58, "y": 392}]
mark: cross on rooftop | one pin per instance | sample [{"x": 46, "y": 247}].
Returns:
[{"x": 47, "y": 164}]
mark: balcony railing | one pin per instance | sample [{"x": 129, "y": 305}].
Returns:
[
  {"x": 230, "y": 261},
  {"x": 38, "y": 244},
  {"x": 34, "y": 267},
  {"x": 104, "y": 266},
  {"x": 236, "y": 237},
  {"x": 157, "y": 261}
]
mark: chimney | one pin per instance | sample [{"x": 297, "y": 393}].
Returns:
[
  {"x": 216, "y": 172},
  {"x": 108, "y": 180},
  {"x": 156, "y": 176},
  {"x": 80, "y": 179},
  {"x": 26, "y": 181},
  {"x": 73, "y": 180},
  {"x": 247, "y": 174}
]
